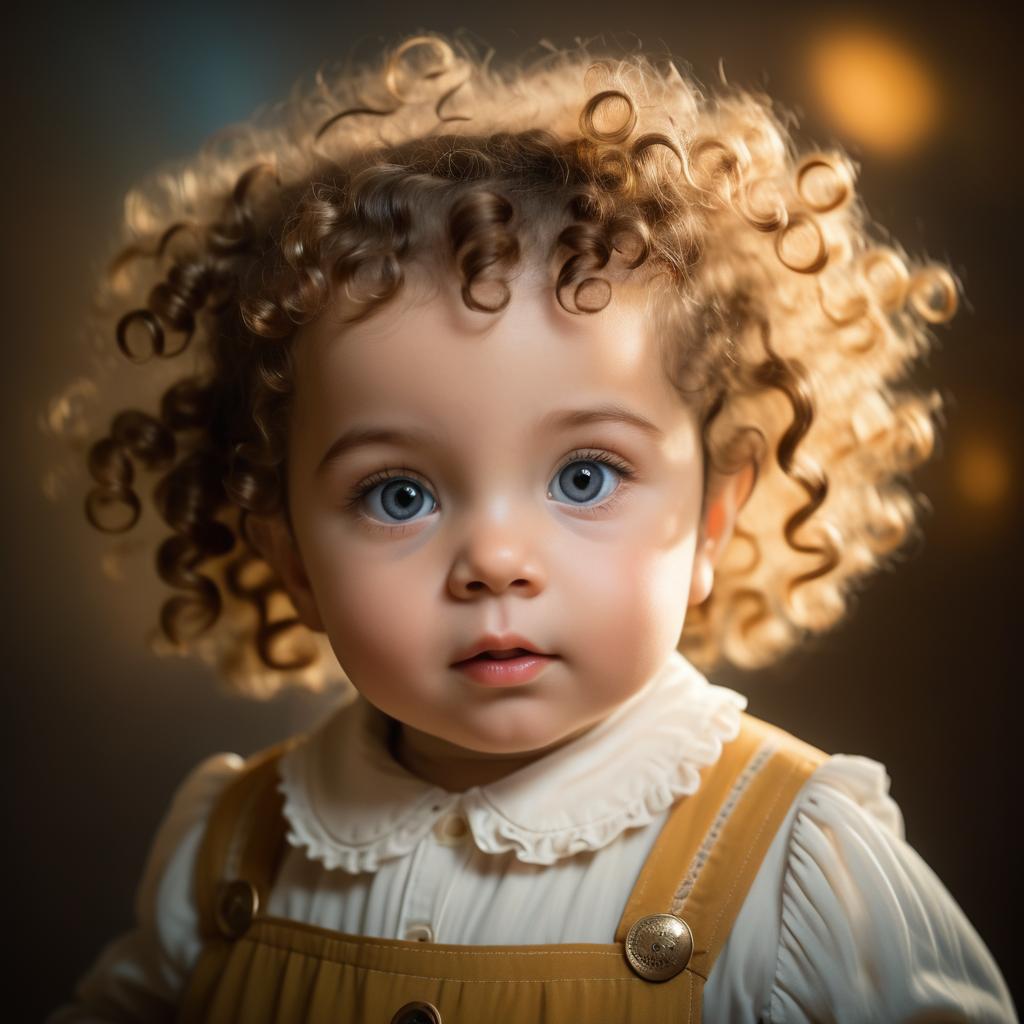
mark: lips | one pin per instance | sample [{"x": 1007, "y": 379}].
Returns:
[
  {"x": 501, "y": 646},
  {"x": 503, "y": 673}
]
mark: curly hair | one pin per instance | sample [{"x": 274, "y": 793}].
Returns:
[{"x": 784, "y": 323}]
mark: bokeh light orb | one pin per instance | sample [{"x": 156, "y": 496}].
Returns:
[{"x": 873, "y": 88}]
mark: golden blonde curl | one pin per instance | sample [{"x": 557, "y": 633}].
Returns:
[{"x": 785, "y": 325}]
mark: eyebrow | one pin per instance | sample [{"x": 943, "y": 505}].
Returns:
[{"x": 560, "y": 419}]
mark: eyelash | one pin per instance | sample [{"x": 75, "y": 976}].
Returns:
[{"x": 363, "y": 488}]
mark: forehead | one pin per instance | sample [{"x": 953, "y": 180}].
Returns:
[{"x": 426, "y": 356}]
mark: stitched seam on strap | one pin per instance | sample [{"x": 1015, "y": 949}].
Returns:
[
  {"x": 421, "y": 950},
  {"x": 700, "y": 858},
  {"x": 794, "y": 769},
  {"x": 630, "y": 980},
  {"x": 651, "y": 869}
]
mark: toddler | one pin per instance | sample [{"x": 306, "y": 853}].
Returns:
[{"x": 517, "y": 399}]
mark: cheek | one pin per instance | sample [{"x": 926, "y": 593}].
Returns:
[
  {"x": 632, "y": 595},
  {"x": 376, "y": 613}
]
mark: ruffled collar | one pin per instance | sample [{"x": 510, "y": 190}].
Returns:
[{"x": 352, "y": 806}]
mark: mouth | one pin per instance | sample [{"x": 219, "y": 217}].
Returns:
[
  {"x": 504, "y": 668},
  {"x": 506, "y": 647},
  {"x": 515, "y": 652}
]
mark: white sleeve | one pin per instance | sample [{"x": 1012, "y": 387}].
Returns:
[
  {"x": 845, "y": 922},
  {"x": 141, "y": 975},
  {"x": 868, "y": 931}
]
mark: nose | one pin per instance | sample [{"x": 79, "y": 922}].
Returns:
[{"x": 497, "y": 557}]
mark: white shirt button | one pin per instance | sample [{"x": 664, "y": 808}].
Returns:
[
  {"x": 451, "y": 829},
  {"x": 419, "y": 933}
]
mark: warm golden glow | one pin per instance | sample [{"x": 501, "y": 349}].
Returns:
[
  {"x": 875, "y": 90},
  {"x": 982, "y": 472}
]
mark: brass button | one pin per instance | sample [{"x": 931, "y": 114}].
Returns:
[
  {"x": 237, "y": 903},
  {"x": 659, "y": 946},
  {"x": 417, "y": 1013}
]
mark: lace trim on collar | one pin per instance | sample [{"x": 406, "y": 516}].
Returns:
[{"x": 350, "y": 805}]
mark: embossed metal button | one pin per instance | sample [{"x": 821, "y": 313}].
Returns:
[
  {"x": 417, "y": 1013},
  {"x": 659, "y": 946},
  {"x": 237, "y": 903}
]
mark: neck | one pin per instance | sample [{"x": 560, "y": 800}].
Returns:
[{"x": 455, "y": 768}]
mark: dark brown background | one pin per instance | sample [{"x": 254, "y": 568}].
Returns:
[{"x": 923, "y": 676}]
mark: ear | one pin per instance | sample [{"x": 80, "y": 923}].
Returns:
[
  {"x": 726, "y": 496},
  {"x": 273, "y": 538}
]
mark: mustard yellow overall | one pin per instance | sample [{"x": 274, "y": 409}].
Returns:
[{"x": 258, "y": 969}]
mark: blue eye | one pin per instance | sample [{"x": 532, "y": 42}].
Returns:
[
  {"x": 398, "y": 499},
  {"x": 394, "y": 497},
  {"x": 587, "y": 481}
]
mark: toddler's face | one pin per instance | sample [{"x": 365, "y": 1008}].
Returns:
[{"x": 505, "y": 498}]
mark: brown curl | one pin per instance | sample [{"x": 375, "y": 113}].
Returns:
[
  {"x": 609, "y": 99},
  {"x": 259, "y": 594},
  {"x": 478, "y": 229},
  {"x": 134, "y": 436},
  {"x": 591, "y": 251},
  {"x": 783, "y": 322},
  {"x": 188, "y": 498}
]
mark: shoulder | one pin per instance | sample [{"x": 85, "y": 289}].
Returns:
[
  {"x": 199, "y": 789},
  {"x": 140, "y": 975},
  {"x": 849, "y": 793},
  {"x": 163, "y": 899},
  {"x": 862, "y": 929},
  {"x": 190, "y": 806}
]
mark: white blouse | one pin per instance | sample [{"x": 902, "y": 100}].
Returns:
[{"x": 844, "y": 921}]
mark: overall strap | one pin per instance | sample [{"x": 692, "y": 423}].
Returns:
[
  {"x": 711, "y": 847},
  {"x": 244, "y": 839}
]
